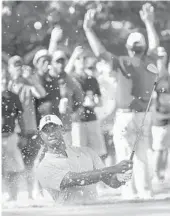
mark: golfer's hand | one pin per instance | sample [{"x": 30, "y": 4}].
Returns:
[
  {"x": 125, "y": 177},
  {"x": 124, "y": 166},
  {"x": 115, "y": 183}
]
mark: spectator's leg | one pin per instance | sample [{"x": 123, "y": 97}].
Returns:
[
  {"x": 29, "y": 153},
  {"x": 111, "y": 157},
  {"x": 12, "y": 185},
  {"x": 13, "y": 164},
  {"x": 68, "y": 138},
  {"x": 95, "y": 138},
  {"x": 79, "y": 134},
  {"x": 160, "y": 147},
  {"x": 143, "y": 159},
  {"x": 123, "y": 137}
]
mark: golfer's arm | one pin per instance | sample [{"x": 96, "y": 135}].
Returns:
[{"x": 87, "y": 178}]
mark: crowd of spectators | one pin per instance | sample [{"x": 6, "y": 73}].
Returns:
[{"x": 79, "y": 89}]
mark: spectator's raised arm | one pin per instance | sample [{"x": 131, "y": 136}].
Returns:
[
  {"x": 76, "y": 53},
  {"x": 56, "y": 36},
  {"x": 147, "y": 16},
  {"x": 96, "y": 45},
  {"x": 78, "y": 95}
]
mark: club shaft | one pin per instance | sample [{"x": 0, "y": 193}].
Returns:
[{"x": 138, "y": 136}]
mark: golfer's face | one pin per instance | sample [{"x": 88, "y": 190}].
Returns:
[{"x": 52, "y": 135}]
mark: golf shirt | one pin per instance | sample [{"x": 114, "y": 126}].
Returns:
[
  {"x": 134, "y": 81},
  {"x": 53, "y": 169}
]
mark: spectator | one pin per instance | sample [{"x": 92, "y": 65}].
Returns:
[
  {"x": 49, "y": 103},
  {"x": 42, "y": 61},
  {"x": 131, "y": 72},
  {"x": 27, "y": 86},
  {"x": 90, "y": 134},
  {"x": 12, "y": 162},
  {"x": 70, "y": 93},
  {"x": 161, "y": 118}
]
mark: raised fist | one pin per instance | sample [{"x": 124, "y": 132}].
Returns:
[
  {"x": 89, "y": 19},
  {"x": 147, "y": 13},
  {"x": 57, "y": 33}
]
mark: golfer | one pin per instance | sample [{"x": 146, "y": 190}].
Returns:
[{"x": 70, "y": 174}]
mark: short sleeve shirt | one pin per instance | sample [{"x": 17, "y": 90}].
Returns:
[
  {"x": 52, "y": 170},
  {"x": 90, "y": 86},
  {"x": 11, "y": 108},
  {"x": 135, "y": 81}
]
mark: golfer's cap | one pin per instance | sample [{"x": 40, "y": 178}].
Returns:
[
  {"x": 14, "y": 59},
  {"x": 59, "y": 54},
  {"x": 136, "y": 38},
  {"x": 49, "y": 119},
  {"x": 39, "y": 54},
  {"x": 161, "y": 52}
]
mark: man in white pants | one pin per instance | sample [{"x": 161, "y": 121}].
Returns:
[
  {"x": 161, "y": 119},
  {"x": 12, "y": 162},
  {"x": 134, "y": 87}
]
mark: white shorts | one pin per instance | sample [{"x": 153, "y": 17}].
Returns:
[
  {"x": 68, "y": 138},
  {"x": 89, "y": 134},
  {"x": 11, "y": 155},
  {"x": 161, "y": 137}
]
